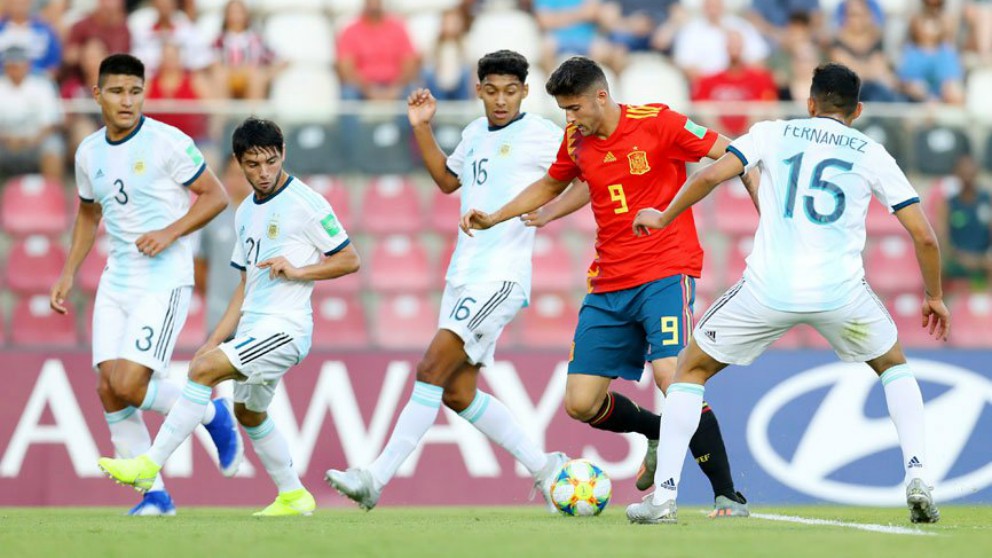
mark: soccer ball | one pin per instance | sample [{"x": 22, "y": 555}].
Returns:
[{"x": 581, "y": 489}]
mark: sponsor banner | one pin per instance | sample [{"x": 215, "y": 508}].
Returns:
[{"x": 799, "y": 426}]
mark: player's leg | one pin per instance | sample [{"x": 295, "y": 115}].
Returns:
[
  {"x": 863, "y": 331},
  {"x": 272, "y": 450}
]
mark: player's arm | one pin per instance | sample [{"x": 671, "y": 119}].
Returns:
[
  {"x": 211, "y": 199},
  {"x": 573, "y": 198},
  {"x": 421, "y": 107},
  {"x": 699, "y": 185},
  {"x": 83, "y": 236},
  {"x": 935, "y": 314},
  {"x": 344, "y": 261},
  {"x": 749, "y": 179},
  {"x": 228, "y": 323},
  {"x": 532, "y": 197}
]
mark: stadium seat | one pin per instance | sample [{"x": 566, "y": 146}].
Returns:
[
  {"x": 305, "y": 94},
  {"x": 905, "y": 310},
  {"x": 972, "y": 319},
  {"x": 889, "y": 132},
  {"x": 194, "y": 331},
  {"x": 491, "y": 31},
  {"x": 420, "y": 6},
  {"x": 405, "y": 322},
  {"x": 734, "y": 211},
  {"x": 382, "y": 146},
  {"x": 345, "y": 8},
  {"x": 735, "y": 262},
  {"x": 444, "y": 259},
  {"x": 891, "y": 267},
  {"x": 338, "y": 195},
  {"x": 424, "y": 28},
  {"x": 880, "y": 222},
  {"x": 648, "y": 79},
  {"x": 543, "y": 105},
  {"x": 937, "y": 148},
  {"x": 549, "y": 322},
  {"x": 552, "y": 265},
  {"x": 39, "y": 326},
  {"x": 339, "y": 323},
  {"x": 399, "y": 264},
  {"x": 446, "y": 210},
  {"x": 33, "y": 265},
  {"x": 978, "y": 91},
  {"x": 32, "y": 205},
  {"x": 300, "y": 37},
  {"x": 94, "y": 264},
  {"x": 391, "y": 206},
  {"x": 448, "y": 131},
  {"x": 315, "y": 149}
]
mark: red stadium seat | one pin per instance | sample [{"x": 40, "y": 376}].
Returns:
[
  {"x": 441, "y": 269},
  {"x": 891, "y": 267},
  {"x": 549, "y": 322},
  {"x": 391, "y": 206},
  {"x": 880, "y": 222},
  {"x": 553, "y": 270},
  {"x": 94, "y": 264},
  {"x": 735, "y": 213},
  {"x": 39, "y": 326},
  {"x": 399, "y": 263},
  {"x": 972, "y": 321},
  {"x": 446, "y": 209},
  {"x": 194, "y": 331},
  {"x": 405, "y": 322},
  {"x": 32, "y": 205},
  {"x": 35, "y": 263},
  {"x": 735, "y": 262},
  {"x": 339, "y": 323},
  {"x": 336, "y": 193},
  {"x": 905, "y": 310}
]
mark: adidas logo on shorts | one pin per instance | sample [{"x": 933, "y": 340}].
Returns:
[{"x": 711, "y": 334}]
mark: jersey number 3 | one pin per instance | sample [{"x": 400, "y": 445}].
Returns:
[{"x": 816, "y": 183}]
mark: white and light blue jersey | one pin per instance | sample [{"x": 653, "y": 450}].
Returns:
[
  {"x": 141, "y": 182},
  {"x": 494, "y": 164},
  {"x": 296, "y": 223},
  {"x": 817, "y": 178}
]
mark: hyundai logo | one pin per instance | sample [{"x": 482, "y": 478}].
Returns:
[{"x": 840, "y": 433}]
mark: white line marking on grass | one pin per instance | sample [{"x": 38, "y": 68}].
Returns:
[{"x": 890, "y": 529}]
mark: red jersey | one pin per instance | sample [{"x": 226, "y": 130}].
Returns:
[{"x": 642, "y": 164}]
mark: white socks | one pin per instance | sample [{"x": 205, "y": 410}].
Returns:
[
  {"x": 273, "y": 451},
  {"x": 181, "y": 421},
  {"x": 161, "y": 396},
  {"x": 902, "y": 395},
  {"x": 130, "y": 436},
  {"x": 414, "y": 421},
  {"x": 678, "y": 423},
  {"x": 491, "y": 417}
]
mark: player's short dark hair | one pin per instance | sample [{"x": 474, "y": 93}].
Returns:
[
  {"x": 256, "y": 133},
  {"x": 836, "y": 87},
  {"x": 120, "y": 65},
  {"x": 504, "y": 63},
  {"x": 576, "y": 76}
]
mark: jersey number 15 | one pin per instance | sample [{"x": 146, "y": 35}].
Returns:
[{"x": 816, "y": 182}]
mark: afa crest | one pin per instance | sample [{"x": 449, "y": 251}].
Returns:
[
  {"x": 139, "y": 167},
  {"x": 504, "y": 150},
  {"x": 638, "y": 162},
  {"x": 273, "y": 231}
]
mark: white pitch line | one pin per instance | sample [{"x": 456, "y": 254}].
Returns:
[{"x": 890, "y": 529}]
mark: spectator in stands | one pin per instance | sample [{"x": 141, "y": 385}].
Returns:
[
  {"x": 931, "y": 68},
  {"x": 797, "y": 52},
  {"x": 170, "y": 26},
  {"x": 173, "y": 82},
  {"x": 19, "y": 28},
  {"x": 107, "y": 23},
  {"x": 877, "y": 13},
  {"x": 246, "y": 62},
  {"x": 80, "y": 86},
  {"x": 965, "y": 226},
  {"x": 858, "y": 45},
  {"x": 30, "y": 120},
  {"x": 739, "y": 82},
  {"x": 447, "y": 73},
  {"x": 376, "y": 59},
  {"x": 948, "y": 19},
  {"x": 771, "y": 17},
  {"x": 701, "y": 45},
  {"x": 640, "y": 25},
  {"x": 978, "y": 17},
  {"x": 570, "y": 27}
]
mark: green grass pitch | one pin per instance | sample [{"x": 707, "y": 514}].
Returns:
[{"x": 964, "y": 531}]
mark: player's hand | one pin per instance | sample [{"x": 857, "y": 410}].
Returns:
[
  {"x": 936, "y": 318},
  {"x": 647, "y": 219},
  {"x": 59, "y": 293},
  {"x": 153, "y": 243},
  {"x": 537, "y": 218},
  {"x": 280, "y": 267},
  {"x": 420, "y": 107},
  {"x": 475, "y": 219}
]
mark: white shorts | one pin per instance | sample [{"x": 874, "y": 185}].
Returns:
[
  {"x": 738, "y": 328},
  {"x": 263, "y": 351},
  {"x": 141, "y": 327},
  {"x": 478, "y": 312}
]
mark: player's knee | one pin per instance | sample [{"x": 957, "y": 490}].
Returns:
[
  {"x": 129, "y": 388},
  {"x": 104, "y": 388},
  {"x": 457, "y": 399},
  {"x": 248, "y": 418},
  {"x": 429, "y": 372},
  {"x": 579, "y": 407}
]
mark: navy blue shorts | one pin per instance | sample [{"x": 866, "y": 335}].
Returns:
[{"x": 620, "y": 330}]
